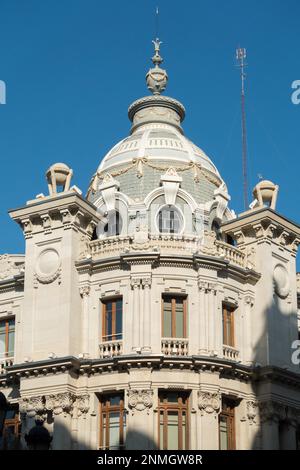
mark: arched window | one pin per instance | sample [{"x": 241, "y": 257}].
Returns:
[
  {"x": 114, "y": 224},
  {"x": 169, "y": 220}
]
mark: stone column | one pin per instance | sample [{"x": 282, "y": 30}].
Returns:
[
  {"x": 269, "y": 426},
  {"x": 203, "y": 333},
  {"x": 211, "y": 318},
  {"x": 84, "y": 292},
  {"x": 209, "y": 404},
  {"x": 139, "y": 432},
  {"x": 289, "y": 430},
  {"x": 31, "y": 408},
  {"x": 82, "y": 406},
  {"x": 135, "y": 285},
  {"x": 61, "y": 406},
  {"x": 246, "y": 346},
  {"x": 146, "y": 326}
]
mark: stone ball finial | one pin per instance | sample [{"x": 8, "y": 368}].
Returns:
[
  {"x": 59, "y": 174},
  {"x": 265, "y": 192}
]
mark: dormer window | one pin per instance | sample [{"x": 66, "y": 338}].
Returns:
[{"x": 169, "y": 220}]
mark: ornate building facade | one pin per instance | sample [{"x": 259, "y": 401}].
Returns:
[{"x": 147, "y": 315}]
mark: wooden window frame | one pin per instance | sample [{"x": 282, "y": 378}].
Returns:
[
  {"x": 6, "y": 321},
  {"x": 114, "y": 322},
  {"x": 105, "y": 409},
  {"x": 173, "y": 298},
  {"x": 164, "y": 406},
  {"x": 225, "y": 309},
  {"x": 16, "y": 424},
  {"x": 228, "y": 412}
]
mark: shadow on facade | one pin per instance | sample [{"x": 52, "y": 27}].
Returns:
[{"x": 273, "y": 414}]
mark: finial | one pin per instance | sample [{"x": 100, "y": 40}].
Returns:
[
  {"x": 157, "y": 59},
  {"x": 157, "y": 78}
]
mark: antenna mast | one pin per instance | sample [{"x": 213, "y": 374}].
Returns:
[{"x": 241, "y": 56}]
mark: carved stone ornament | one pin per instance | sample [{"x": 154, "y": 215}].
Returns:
[
  {"x": 140, "y": 400},
  {"x": 48, "y": 266},
  {"x": 281, "y": 281},
  {"x": 83, "y": 404},
  {"x": 209, "y": 402},
  {"x": 62, "y": 402},
  {"x": 8, "y": 268},
  {"x": 32, "y": 405},
  {"x": 272, "y": 411},
  {"x": 252, "y": 411}
]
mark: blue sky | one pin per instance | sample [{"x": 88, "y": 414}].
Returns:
[{"x": 72, "y": 67}]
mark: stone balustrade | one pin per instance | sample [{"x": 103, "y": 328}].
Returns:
[
  {"x": 174, "y": 346},
  {"x": 110, "y": 349},
  {"x": 6, "y": 362},
  {"x": 168, "y": 244},
  {"x": 230, "y": 353}
]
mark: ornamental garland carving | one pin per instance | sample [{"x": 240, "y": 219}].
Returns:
[
  {"x": 48, "y": 266},
  {"x": 138, "y": 164},
  {"x": 209, "y": 402},
  {"x": 140, "y": 400}
]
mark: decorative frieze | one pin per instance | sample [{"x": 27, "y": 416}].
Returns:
[
  {"x": 59, "y": 403},
  {"x": 140, "y": 400},
  {"x": 209, "y": 402}
]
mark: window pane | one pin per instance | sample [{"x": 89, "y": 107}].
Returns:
[
  {"x": 11, "y": 343},
  {"x": 2, "y": 344},
  {"x": 223, "y": 433},
  {"x": 179, "y": 318},
  {"x": 114, "y": 430},
  {"x": 167, "y": 333},
  {"x": 183, "y": 430},
  {"x": 108, "y": 321},
  {"x": 115, "y": 400},
  {"x": 2, "y": 326},
  {"x": 172, "y": 431},
  {"x": 119, "y": 319},
  {"x": 161, "y": 430}
]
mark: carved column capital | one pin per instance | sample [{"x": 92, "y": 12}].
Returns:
[
  {"x": 84, "y": 291},
  {"x": 209, "y": 402},
  {"x": 32, "y": 406},
  {"x": 62, "y": 402},
  {"x": 135, "y": 282},
  {"x": 83, "y": 404},
  {"x": 146, "y": 282},
  {"x": 249, "y": 300}
]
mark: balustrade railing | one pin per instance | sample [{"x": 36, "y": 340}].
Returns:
[
  {"x": 168, "y": 243},
  {"x": 5, "y": 362},
  {"x": 174, "y": 346},
  {"x": 230, "y": 353},
  {"x": 110, "y": 349}
]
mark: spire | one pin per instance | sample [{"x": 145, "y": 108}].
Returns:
[{"x": 157, "y": 78}]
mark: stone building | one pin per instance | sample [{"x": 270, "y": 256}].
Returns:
[{"x": 147, "y": 314}]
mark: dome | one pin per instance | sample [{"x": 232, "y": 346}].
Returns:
[{"x": 156, "y": 144}]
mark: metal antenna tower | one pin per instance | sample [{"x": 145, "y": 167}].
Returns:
[{"x": 240, "y": 57}]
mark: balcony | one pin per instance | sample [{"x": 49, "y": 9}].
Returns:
[
  {"x": 168, "y": 244},
  {"x": 174, "y": 346},
  {"x": 110, "y": 349},
  {"x": 5, "y": 362},
  {"x": 230, "y": 353}
]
